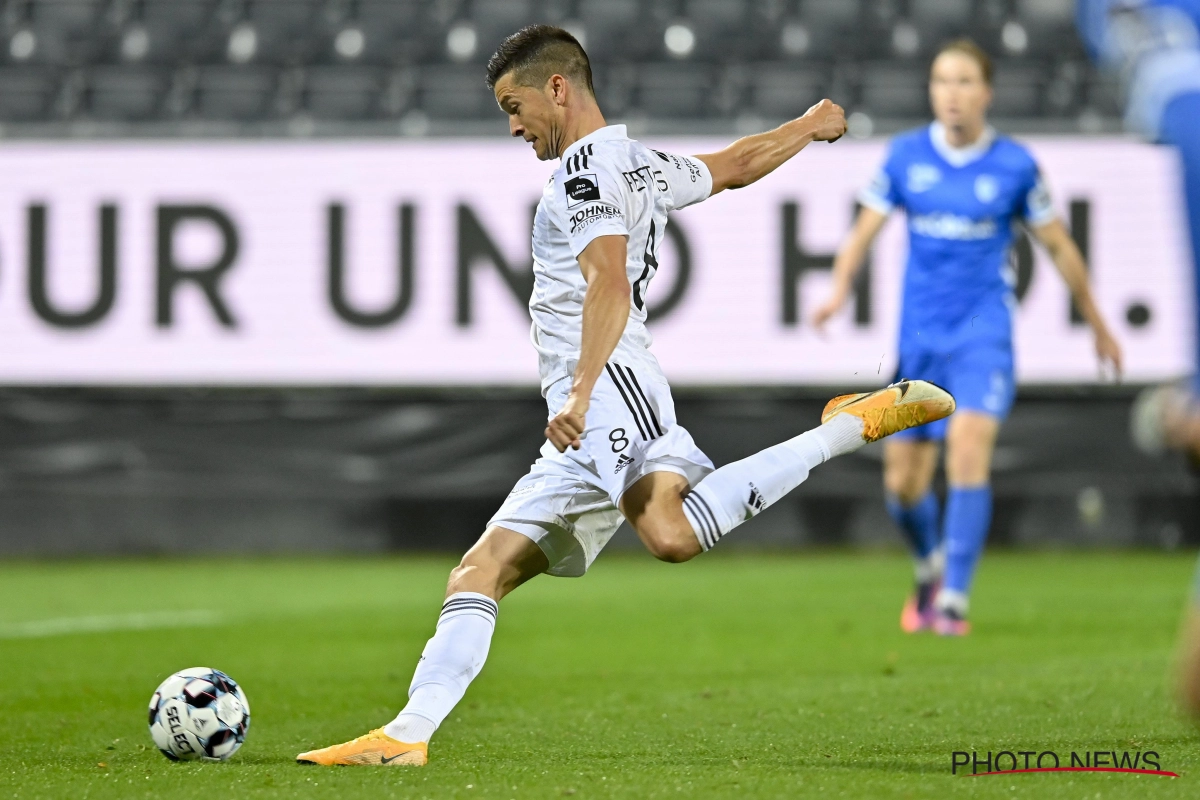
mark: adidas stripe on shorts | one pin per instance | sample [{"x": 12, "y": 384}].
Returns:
[{"x": 568, "y": 502}]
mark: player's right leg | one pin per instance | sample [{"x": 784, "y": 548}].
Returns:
[
  {"x": 909, "y": 464},
  {"x": 498, "y": 563},
  {"x": 663, "y": 511}
]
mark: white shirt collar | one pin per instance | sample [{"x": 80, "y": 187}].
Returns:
[
  {"x": 598, "y": 135},
  {"x": 960, "y": 156}
]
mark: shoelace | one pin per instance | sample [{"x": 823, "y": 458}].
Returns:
[{"x": 880, "y": 422}]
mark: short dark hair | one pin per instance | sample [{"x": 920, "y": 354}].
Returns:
[
  {"x": 968, "y": 48},
  {"x": 537, "y": 52}
]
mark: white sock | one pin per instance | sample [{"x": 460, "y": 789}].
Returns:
[
  {"x": 931, "y": 567},
  {"x": 450, "y": 661},
  {"x": 738, "y": 491},
  {"x": 950, "y": 600}
]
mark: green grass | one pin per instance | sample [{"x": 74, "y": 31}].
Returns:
[{"x": 734, "y": 676}]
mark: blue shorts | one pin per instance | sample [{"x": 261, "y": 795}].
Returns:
[{"x": 980, "y": 376}]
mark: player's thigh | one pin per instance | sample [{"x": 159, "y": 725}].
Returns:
[
  {"x": 498, "y": 563},
  {"x": 653, "y": 505},
  {"x": 970, "y": 442},
  {"x": 909, "y": 465}
]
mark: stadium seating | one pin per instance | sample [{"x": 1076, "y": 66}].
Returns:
[{"x": 354, "y": 61}]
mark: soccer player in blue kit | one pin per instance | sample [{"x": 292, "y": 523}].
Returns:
[
  {"x": 964, "y": 188},
  {"x": 1155, "y": 45}
]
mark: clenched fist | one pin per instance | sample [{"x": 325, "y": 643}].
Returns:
[
  {"x": 565, "y": 427},
  {"x": 828, "y": 120}
]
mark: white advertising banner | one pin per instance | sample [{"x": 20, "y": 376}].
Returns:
[{"x": 407, "y": 263}]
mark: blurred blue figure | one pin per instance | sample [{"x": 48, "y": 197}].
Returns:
[
  {"x": 1156, "y": 45},
  {"x": 964, "y": 189}
]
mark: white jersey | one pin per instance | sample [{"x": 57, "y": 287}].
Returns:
[{"x": 606, "y": 185}]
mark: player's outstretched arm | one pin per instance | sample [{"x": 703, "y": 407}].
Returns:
[
  {"x": 1069, "y": 261},
  {"x": 605, "y": 313},
  {"x": 849, "y": 261},
  {"x": 753, "y": 157}
]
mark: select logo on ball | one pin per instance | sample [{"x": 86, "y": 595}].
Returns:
[{"x": 199, "y": 714}]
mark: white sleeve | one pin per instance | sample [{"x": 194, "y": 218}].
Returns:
[
  {"x": 591, "y": 200},
  {"x": 688, "y": 179}
]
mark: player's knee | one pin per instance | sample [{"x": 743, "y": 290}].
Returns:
[
  {"x": 968, "y": 463},
  {"x": 474, "y": 575},
  {"x": 903, "y": 484},
  {"x": 671, "y": 540}
]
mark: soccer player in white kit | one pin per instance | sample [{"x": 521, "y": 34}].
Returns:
[{"x": 614, "y": 449}]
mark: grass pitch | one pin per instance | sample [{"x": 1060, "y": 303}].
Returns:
[{"x": 733, "y": 676}]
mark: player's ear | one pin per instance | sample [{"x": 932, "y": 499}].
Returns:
[{"x": 557, "y": 89}]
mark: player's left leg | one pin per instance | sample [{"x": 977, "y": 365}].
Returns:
[
  {"x": 498, "y": 563},
  {"x": 970, "y": 440}
]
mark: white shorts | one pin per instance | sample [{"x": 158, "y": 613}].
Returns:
[{"x": 568, "y": 502}]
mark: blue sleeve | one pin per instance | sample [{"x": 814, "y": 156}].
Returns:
[
  {"x": 1189, "y": 8},
  {"x": 883, "y": 193},
  {"x": 1092, "y": 20},
  {"x": 1034, "y": 205}
]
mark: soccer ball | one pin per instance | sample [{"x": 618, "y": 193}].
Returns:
[{"x": 199, "y": 713}]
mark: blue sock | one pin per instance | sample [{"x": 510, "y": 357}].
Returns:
[
  {"x": 918, "y": 522},
  {"x": 968, "y": 517}
]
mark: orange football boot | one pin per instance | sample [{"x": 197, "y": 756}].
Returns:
[
  {"x": 375, "y": 749},
  {"x": 898, "y": 407}
]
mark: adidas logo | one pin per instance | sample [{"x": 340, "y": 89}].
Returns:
[
  {"x": 756, "y": 500},
  {"x": 622, "y": 463}
]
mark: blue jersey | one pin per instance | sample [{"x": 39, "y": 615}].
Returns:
[{"x": 962, "y": 205}]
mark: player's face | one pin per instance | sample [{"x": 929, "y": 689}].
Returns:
[
  {"x": 532, "y": 114},
  {"x": 957, "y": 91}
]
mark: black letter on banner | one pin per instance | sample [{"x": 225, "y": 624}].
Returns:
[
  {"x": 796, "y": 262},
  {"x": 955, "y": 763},
  {"x": 170, "y": 273},
  {"x": 337, "y": 271},
  {"x": 1081, "y": 232},
  {"x": 682, "y": 278},
  {"x": 474, "y": 244},
  {"x": 1020, "y": 262},
  {"x": 39, "y": 298}
]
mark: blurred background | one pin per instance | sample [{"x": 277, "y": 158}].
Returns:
[
  {"x": 154, "y": 145},
  {"x": 412, "y": 67}
]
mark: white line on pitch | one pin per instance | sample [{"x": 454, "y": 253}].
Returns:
[{"x": 60, "y": 626}]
